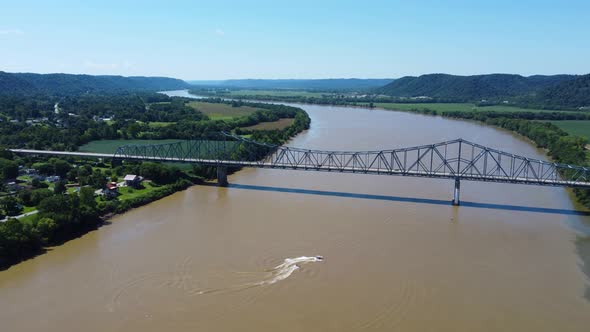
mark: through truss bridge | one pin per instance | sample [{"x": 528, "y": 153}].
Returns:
[{"x": 456, "y": 159}]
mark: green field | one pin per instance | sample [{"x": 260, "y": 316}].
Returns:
[
  {"x": 279, "y": 124},
  {"x": 160, "y": 124},
  {"x": 129, "y": 193},
  {"x": 456, "y": 107},
  {"x": 206, "y": 149},
  {"x": 575, "y": 127},
  {"x": 110, "y": 146},
  {"x": 217, "y": 111},
  {"x": 276, "y": 93}
]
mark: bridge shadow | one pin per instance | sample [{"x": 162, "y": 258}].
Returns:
[{"x": 430, "y": 201}]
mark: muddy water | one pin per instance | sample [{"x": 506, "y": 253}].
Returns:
[{"x": 244, "y": 258}]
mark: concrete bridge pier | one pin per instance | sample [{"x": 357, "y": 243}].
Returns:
[
  {"x": 456, "y": 200},
  {"x": 222, "y": 176}
]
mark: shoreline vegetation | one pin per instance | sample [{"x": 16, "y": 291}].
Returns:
[
  {"x": 65, "y": 213},
  {"x": 541, "y": 126}
]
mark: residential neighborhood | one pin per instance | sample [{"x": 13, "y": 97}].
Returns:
[{"x": 27, "y": 182}]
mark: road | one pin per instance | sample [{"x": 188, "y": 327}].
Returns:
[{"x": 21, "y": 215}]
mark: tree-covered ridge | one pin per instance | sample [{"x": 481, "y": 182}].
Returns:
[
  {"x": 68, "y": 84},
  {"x": 574, "y": 93},
  {"x": 469, "y": 88}
]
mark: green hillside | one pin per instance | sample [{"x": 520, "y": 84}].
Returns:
[{"x": 67, "y": 84}]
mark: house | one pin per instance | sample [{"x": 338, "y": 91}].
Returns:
[
  {"x": 132, "y": 180},
  {"x": 53, "y": 178},
  {"x": 30, "y": 171},
  {"x": 12, "y": 186},
  {"x": 111, "y": 190}
]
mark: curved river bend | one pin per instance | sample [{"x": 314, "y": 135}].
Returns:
[{"x": 302, "y": 251}]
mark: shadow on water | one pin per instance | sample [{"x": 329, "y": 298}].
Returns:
[{"x": 412, "y": 200}]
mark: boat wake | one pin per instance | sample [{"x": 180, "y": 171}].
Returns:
[{"x": 274, "y": 275}]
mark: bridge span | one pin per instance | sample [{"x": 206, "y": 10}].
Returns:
[{"x": 456, "y": 159}]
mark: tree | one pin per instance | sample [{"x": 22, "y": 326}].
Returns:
[
  {"x": 36, "y": 183},
  {"x": 43, "y": 168},
  {"x": 56, "y": 207},
  {"x": 97, "y": 179},
  {"x": 16, "y": 239},
  {"x": 60, "y": 187},
  {"x": 8, "y": 169},
  {"x": 11, "y": 206},
  {"x": 60, "y": 167},
  {"x": 45, "y": 229},
  {"x": 38, "y": 195},
  {"x": 87, "y": 197}
]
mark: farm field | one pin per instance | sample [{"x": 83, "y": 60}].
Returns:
[
  {"x": 110, "y": 146},
  {"x": 575, "y": 127},
  {"x": 279, "y": 124},
  {"x": 276, "y": 93},
  {"x": 217, "y": 111}
]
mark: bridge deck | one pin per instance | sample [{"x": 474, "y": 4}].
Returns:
[{"x": 340, "y": 169}]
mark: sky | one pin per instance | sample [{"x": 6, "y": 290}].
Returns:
[{"x": 217, "y": 39}]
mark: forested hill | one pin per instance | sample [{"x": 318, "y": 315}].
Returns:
[
  {"x": 67, "y": 84},
  {"x": 572, "y": 93},
  {"x": 301, "y": 84},
  {"x": 470, "y": 88}
]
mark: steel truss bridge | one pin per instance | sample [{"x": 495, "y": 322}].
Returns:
[{"x": 456, "y": 159}]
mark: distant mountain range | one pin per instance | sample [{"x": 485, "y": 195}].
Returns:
[
  {"x": 555, "y": 91},
  {"x": 330, "y": 84},
  {"x": 572, "y": 93},
  {"x": 469, "y": 88},
  {"x": 67, "y": 84}
]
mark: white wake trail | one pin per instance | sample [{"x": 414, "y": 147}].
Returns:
[
  {"x": 278, "y": 273},
  {"x": 290, "y": 265}
]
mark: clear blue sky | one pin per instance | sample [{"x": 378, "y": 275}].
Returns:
[{"x": 296, "y": 38}]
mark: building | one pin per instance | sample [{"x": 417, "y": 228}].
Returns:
[
  {"x": 111, "y": 190},
  {"x": 132, "y": 180},
  {"x": 54, "y": 178}
]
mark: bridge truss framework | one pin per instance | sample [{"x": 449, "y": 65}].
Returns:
[{"x": 456, "y": 159}]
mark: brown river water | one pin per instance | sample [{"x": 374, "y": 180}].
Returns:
[{"x": 396, "y": 255}]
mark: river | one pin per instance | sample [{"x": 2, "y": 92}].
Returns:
[{"x": 244, "y": 257}]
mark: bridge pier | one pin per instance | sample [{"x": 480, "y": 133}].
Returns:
[
  {"x": 222, "y": 176},
  {"x": 456, "y": 200}
]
